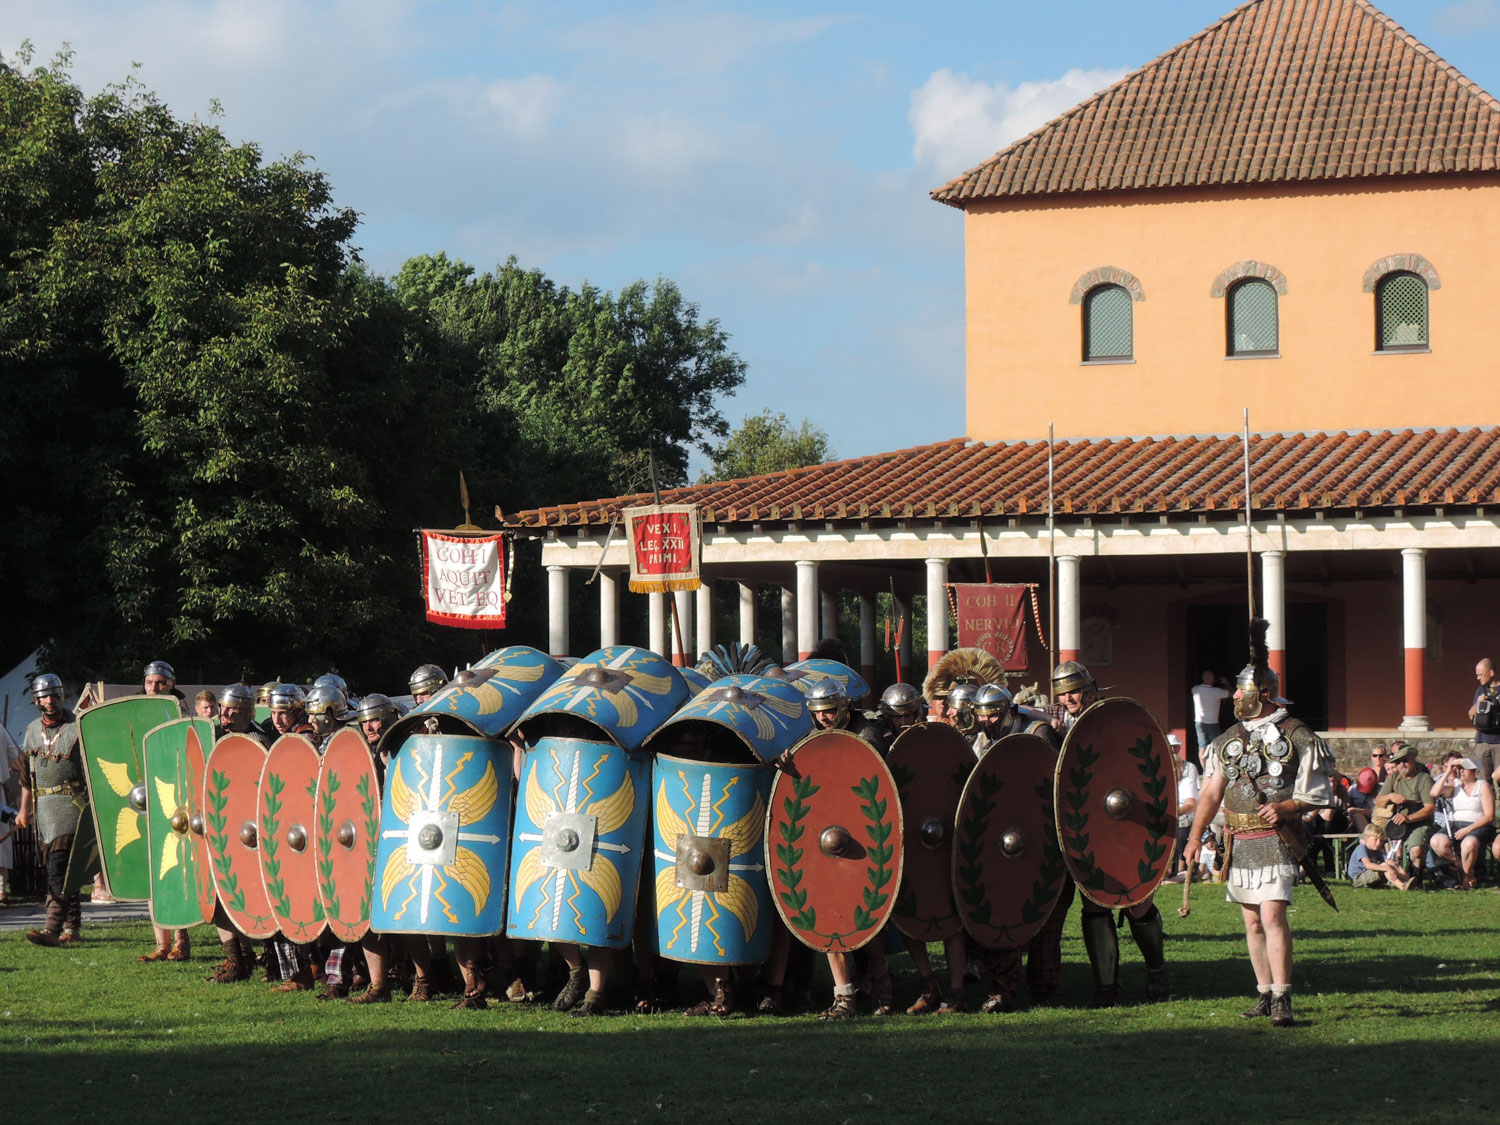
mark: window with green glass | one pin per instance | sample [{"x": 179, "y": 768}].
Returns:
[
  {"x": 1401, "y": 313},
  {"x": 1108, "y": 333},
  {"x": 1252, "y": 327}
]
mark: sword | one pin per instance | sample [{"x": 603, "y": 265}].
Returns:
[{"x": 1289, "y": 836}]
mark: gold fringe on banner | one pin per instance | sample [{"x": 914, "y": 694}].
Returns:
[{"x": 642, "y": 586}]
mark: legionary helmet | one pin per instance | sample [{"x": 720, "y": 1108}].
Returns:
[
  {"x": 237, "y": 695},
  {"x": 992, "y": 699},
  {"x": 426, "y": 680},
  {"x": 287, "y": 697},
  {"x": 961, "y": 704},
  {"x": 265, "y": 691},
  {"x": 1257, "y": 681},
  {"x": 325, "y": 699},
  {"x": 46, "y": 684},
  {"x": 333, "y": 679},
  {"x": 161, "y": 668},
  {"x": 1070, "y": 676},
  {"x": 827, "y": 695},
  {"x": 901, "y": 699},
  {"x": 374, "y": 706}
]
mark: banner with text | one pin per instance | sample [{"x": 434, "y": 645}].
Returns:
[
  {"x": 465, "y": 580},
  {"x": 664, "y": 545},
  {"x": 992, "y": 616}
]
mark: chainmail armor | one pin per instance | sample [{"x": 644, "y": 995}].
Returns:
[
  {"x": 1243, "y": 794},
  {"x": 52, "y": 759}
]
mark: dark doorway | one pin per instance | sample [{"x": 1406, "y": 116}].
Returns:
[{"x": 1217, "y": 639}]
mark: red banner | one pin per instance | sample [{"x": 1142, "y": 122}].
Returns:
[
  {"x": 465, "y": 580},
  {"x": 664, "y": 546},
  {"x": 992, "y": 616}
]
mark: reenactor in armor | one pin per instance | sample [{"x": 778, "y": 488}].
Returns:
[
  {"x": 160, "y": 678},
  {"x": 960, "y": 709},
  {"x": 962, "y": 666},
  {"x": 996, "y": 715},
  {"x": 900, "y": 707},
  {"x": 263, "y": 693},
  {"x": 426, "y": 682},
  {"x": 236, "y": 716},
  {"x": 237, "y": 713},
  {"x": 289, "y": 711},
  {"x": 1266, "y": 770},
  {"x": 374, "y": 715},
  {"x": 828, "y": 704},
  {"x": 1074, "y": 690},
  {"x": 54, "y": 788},
  {"x": 327, "y": 710}
]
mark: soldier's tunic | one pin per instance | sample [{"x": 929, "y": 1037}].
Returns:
[
  {"x": 52, "y": 769},
  {"x": 1267, "y": 759}
]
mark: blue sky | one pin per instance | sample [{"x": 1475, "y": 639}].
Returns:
[{"x": 773, "y": 158}]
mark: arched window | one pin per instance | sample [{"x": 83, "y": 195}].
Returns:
[
  {"x": 1401, "y": 313},
  {"x": 1250, "y": 326},
  {"x": 1108, "y": 334}
]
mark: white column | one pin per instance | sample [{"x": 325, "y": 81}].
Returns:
[
  {"x": 937, "y": 610},
  {"x": 867, "y": 640},
  {"x": 1069, "y": 610},
  {"x": 683, "y": 635},
  {"x": 807, "y": 607},
  {"x": 557, "y": 610},
  {"x": 657, "y": 627},
  {"x": 1414, "y": 636},
  {"x": 747, "y": 614},
  {"x": 788, "y": 625},
  {"x": 1273, "y": 605},
  {"x": 609, "y": 608},
  {"x": 703, "y": 617}
]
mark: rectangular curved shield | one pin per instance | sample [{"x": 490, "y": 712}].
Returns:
[
  {"x": 182, "y": 882},
  {"x": 579, "y": 833},
  {"x": 444, "y": 837}
]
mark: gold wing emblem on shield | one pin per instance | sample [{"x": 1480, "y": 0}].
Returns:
[
  {"x": 538, "y": 805},
  {"x": 667, "y": 890},
  {"x": 740, "y": 901},
  {"x": 614, "y": 810},
  {"x": 472, "y": 876},
  {"x": 397, "y": 870},
  {"x": 744, "y": 834},
  {"x": 603, "y": 878},
  {"x": 403, "y": 797},
  {"x": 171, "y": 848},
  {"x": 669, "y": 825},
  {"x": 127, "y": 829},
  {"x": 530, "y": 870},
  {"x": 475, "y": 803},
  {"x": 117, "y": 774}
]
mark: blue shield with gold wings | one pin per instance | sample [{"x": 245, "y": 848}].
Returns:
[
  {"x": 485, "y": 700},
  {"x": 713, "y": 902},
  {"x": 444, "y": 838},
  {"x": 805, "y": 673},
  {"x": 625, "y": 692},
  {"x": 768, "y": 716},
  {"x": 579, "y": 835},
  {"x": 696, "y": 680}
]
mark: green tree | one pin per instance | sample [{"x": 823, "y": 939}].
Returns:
[{"x": 768, "y": 443}]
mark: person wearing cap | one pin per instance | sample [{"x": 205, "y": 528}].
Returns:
[
  {"x": 1361, "y": 798},
  {"x": 1407, "y": 793},
  {"x": 1471, "y": 817},
  {"x": 1266, "y": 770},
  {"x": 53, "y": 788},
  {"x": 159, "y": 678}
]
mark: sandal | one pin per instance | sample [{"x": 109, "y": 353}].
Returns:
[{"x": 721, "y": 1003}]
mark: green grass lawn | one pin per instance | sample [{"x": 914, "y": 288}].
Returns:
[{"x": 1396, "y": 998}]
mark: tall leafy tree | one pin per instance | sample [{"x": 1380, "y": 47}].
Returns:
[{"x": 768, "y": 443}]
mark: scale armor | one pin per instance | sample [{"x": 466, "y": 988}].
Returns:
[{"x": 1250, "y": 761}]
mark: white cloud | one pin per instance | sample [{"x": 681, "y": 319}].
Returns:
[
  {"x": 957, "y": 122},
  {"x": 1467, "y": 17},
  {"x": 524, "y": 106}
]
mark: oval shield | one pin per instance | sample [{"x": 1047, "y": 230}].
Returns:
[
  {"x": 1116, "y": 794},
  {"x": 626, "y": 692},
  {"x": 347, "y": 834},
  {"x": 833, "y": 842},
  {"x": 110, "y": 736},
  {"x": 287, "y": 811},
  {"x": 930, "y": 763},
  {"x": 484, "y": 700},
  {"x": 1007, "y": 868},
  {"x": 182, "y": 881},
  {"x": 231, "y": 791},
  {"x": 805, "y": 673},
  {"x": 768, "y": 715},
  {"x": 444, "y": 836},
  {"x": 713, "y": 902},
  {"x": 579, "y": 833}
]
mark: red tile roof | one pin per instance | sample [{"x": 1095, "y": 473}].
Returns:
[
  {"x": 1276, "y": 91},
  {"x": 963, "y": 479}
]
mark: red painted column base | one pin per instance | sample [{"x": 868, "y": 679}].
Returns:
[
  {"x": 1276, "y": 658},
  {"x": 1066, "y": 654},
  {"x": 1416, "y": 702}
]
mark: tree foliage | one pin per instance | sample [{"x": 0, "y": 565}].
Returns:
[{"x": 768, "y": 443}]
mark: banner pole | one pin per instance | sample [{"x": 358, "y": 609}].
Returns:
[{"x": 1051, "y": 563}]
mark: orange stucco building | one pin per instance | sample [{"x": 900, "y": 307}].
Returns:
[{"x": 1294, "y": 212}]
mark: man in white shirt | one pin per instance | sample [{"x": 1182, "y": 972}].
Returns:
[
  {"x": 1189, "y": 780},
  {"x": 1206, "y": 699}
]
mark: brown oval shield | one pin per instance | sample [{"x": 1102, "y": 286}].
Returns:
[
  {"x": 930, "y": 764},
  {"x": 231, "y": 789},
  {"x": 833, "y": 841},
  {"x": 348, "y": 833},
  {"x": 1116, "y": 794},
  {"x": 1007, "y": 868},
  {"x": 286, "y": 811}
]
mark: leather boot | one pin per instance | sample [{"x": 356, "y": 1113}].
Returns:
[
  {"x": 1102, "y": 941},
  {"x": 181, "y": 950},
  {"x": 233, "y": 968}
]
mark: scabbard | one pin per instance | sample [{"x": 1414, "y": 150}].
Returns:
[{"x": 1292, "y": 838}]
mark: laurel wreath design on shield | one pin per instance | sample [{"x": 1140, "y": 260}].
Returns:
[
  {"x": 270, "y": 825},
  {"x": 880, "y": 852},
  {"x": 803, "y": 916},
  {"x": 218, "y": 837},
  {"x": 1053, "y": 869},
  {"x": 1076, "y": 820},
  {"x": 368, "y": 805},
  {"x": 327, "y": 890},
  {"x": 971, "y": 888},
  {"x": 1157, "y": 821}
]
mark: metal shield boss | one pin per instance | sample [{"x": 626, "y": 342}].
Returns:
[
  {"x": 579, "y": 833},
  {"x": 182, "y": 880},
  {"x": 833, "y": 841},
  {"x": 930, "y": 763},
  {"x": 805, "y": 673},
  {"x": 111, "y": 736},
  {"x": 762, "y": 717},
  {"x": 347, "y": 833},
  {"x": 286, "y": 812},
  {"x": 712, "y": 902},
  {"x": 231, "y": 793},
  {"x": 626, "y": 692},
  {"x": 485, "y": 700},
  {"x": 1007, "y": 868},
  {"x": 444, "y": 838},
  {"x": 1116, "y": 795}
]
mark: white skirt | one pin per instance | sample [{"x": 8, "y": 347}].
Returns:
[{"x": 1251, "y": 885}]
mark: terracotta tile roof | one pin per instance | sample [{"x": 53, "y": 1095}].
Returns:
[
  {"x": 1116, "y": 476},
  {"x": 1276, "y": 91}
]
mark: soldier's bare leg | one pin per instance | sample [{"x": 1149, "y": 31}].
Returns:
[
  {"x": 1269, "y": 939},
  {"x": 845, "y": 996},
  {"x": 377, "y": 959},
  {"x": 239, "y": 957}
]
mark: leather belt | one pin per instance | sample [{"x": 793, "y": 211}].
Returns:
[{"x": 66, "y": 787}]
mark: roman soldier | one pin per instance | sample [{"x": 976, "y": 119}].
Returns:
[
  {"x": 327, "y": 710},
  {"x": 426, "y": 682},
  {"x": 160, "y": 678},
  {"x": 973, "y": 666},
  {"x": 900, "y": 707},
  {"x": 237, "y": 713},
  {"x": 997, "y": 715},
  {"x": 54, "y": 789}
]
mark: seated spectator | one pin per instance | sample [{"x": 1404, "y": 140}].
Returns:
[
  {"x": 1361, "y": 799},
  {"x": 1208, "y": 857},
  {"x": 1466, "y": 815},
  {"x": 1368, "y": 866},
  {"x": 1406, "y": 797},
  {"x": 1380, "y": 763}
]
